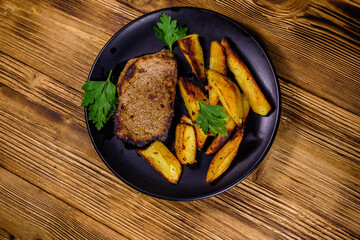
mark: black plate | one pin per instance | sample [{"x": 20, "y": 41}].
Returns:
[{"x": 137, "y": 38}]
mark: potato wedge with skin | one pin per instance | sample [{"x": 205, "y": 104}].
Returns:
[
  {"x": 193, "y": 52},
  {"x": 185, "y": 143},
  {"x": 185, "y": 119},
  {"x": 246, "y": 81},
  {"x": 200, "y": 135},
  {"x": 213, "y": 97},
  {"x": 217, "y": 58},
  {"x": 189, "y": 92},
  {"x": 217, "y": 63},
  {"x": 162, "y": 160},
  {"x": 229, "y": 94},
  {"x": 219, "y": 141},
  {"x": 246, "y": 106},
  {"x": 224, "y": 157}
]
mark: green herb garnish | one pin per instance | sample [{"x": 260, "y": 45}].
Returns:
[
  {"x": 212, "y": 118},
  {"x": 167, "y": 30},
  {"x": 100, "y": 96}
]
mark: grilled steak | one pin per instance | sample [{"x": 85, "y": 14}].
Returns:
[{"x": 146, "y": 90}]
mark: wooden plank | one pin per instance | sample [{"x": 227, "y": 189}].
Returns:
[
  {"x": 315, "y": 158},
  {"x": 53, "y": 99},
  {"x": 59, "y": 39},
  {"x": 107, "y": 16},
  {"x": 47, "y": 147},
  {"x": 4, "y": 235},
  {"x": 46, "y": 217},
  {"x": 39, "y": 88}
]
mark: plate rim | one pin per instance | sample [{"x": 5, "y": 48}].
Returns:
[{"x": 254, "y": 166}]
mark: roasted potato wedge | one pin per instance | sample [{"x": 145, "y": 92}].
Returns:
[
  {"x": 189, "y": 92},
  {"x": 229, "y": 94},
  {"x": 191, "y": 48},
  {"x": 217, "y": 58},
  {"x": 200, "y": 135},
  {"x": 162, "y": 160},
  {"x": 213, "y": 97},
  {"x": 246, "y": 106},
  {"x": 217, "y": 63},
  {"x": 185, "y": 143},
  {"x": 224, "y": 157},
  {"x": 246, "y": 81},
  {"x": 219, "y": 141},
  {"x": 185, "y": 119}
]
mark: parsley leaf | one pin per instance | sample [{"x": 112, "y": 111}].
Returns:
[
  {"x": 167, "y": 30},
  {"x": 212, "y": 118},
  {"x": 100, "y": 96}
]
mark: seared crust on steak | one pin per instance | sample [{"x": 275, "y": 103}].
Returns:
[{"x": 146, "y": 90}]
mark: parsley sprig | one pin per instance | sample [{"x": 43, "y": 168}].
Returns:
[
  {"x": 167, "y": 30},
  {"x": 212, "y": 118},
  {"x": 100, "y": 96}
]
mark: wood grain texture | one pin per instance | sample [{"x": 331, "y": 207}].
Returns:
[
  {"x": 46, "y": 216},
  {"x": 70, "y": 42},
  {"x": 4, "y": 235},
  {"x": 53, "y": 185}
]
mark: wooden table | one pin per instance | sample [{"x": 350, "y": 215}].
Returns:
[{"x": 53, "y": 184}]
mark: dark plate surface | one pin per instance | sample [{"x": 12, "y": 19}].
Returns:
[{"x": 136, "y": 39}]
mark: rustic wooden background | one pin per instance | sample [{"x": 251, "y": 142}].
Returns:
[{"x": 53, "y": 185}]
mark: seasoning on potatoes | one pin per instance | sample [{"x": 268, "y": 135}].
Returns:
[
  {"x": 219, "y": 140},
  {"x": 217, "y": 63},
  {"x": 185, "y": 143},
  {"x": 246, "y": 106},
  {"x": 162, "y": 160},
  {"x": 190, "y": 93},
  {"x": 229, "y": 94},
  {"x": 193, "y": 52},
  {"x": 224, "y": 157},
  {"x": 246, "y": 81}
]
